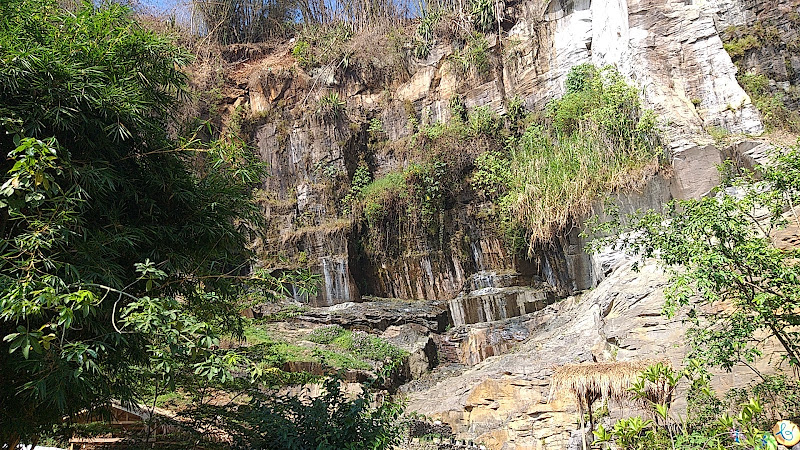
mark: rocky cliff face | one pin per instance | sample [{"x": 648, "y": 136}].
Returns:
[
  {"x": 509, "y": 330},
  {"x": 671, "y": 50},
  {"x": 503, "y": 401}
]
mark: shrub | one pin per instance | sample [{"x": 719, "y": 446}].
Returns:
[
  {"x": 483, "y": 15},
  {"x": 425, "y": 38},
  {"x": 580, "y": 78},
  {"x": 331, "y": 105},
  {"x": 492, "y": 176},
  {"x": 593, "y": 138},
  {"x": 774, "y": 112},
  {"x": 375, "y": 348},
  {"x": 361, "y": 179},
  {"x": 375, "y": 127},
  {"x": 381, "y": 195},
  {"x": 483, "y": 120},
  {"x": 303, "y": 54},
  {"x": 328, "y": 422},
  {"x": 473, "y": 58},
  {"x": 739, "y": 46},
  {"x": 754, "y": 83}
]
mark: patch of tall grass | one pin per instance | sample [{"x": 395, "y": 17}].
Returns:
[{"x": 595, "y": 139}]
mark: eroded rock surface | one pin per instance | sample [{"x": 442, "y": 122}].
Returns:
[
  {"x": 502, "y": 401},
  {"x": 671, "y": 50},
  {"x": 380, "y": 314}
]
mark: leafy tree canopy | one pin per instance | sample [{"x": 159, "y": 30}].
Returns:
[
  {"x": 728, "y": 263},
  {"x": 123, "y": 249}
]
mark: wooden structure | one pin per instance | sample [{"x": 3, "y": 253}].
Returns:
[{"x": 124, "y": 420}]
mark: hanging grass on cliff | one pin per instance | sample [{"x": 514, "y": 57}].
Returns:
[{"x": 595, "y": 139}]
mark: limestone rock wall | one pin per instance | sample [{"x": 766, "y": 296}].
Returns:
[
  {"x": 775, "y": 25},
  {"x": 672, "y": 50}
]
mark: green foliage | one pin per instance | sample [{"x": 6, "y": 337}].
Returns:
[
  {"x": 484, "y": 17},
  {"x": 416, "y": 190},
  {"x": 323, "y": 45},
  {"x": 326, "y": 334},
  {"x": 774, "y": 112},
  {"x": 719, "y": 134},
  {"x": 755, "y": 84},
  {"x": 737, "y": 47},
  {"x": 105, "y": 221},
  {"x": 483, "y": 120},
  {"x": 375, "y": 348},
  {"x": 380, "y": 195},
  {"x": 706, "y": 426},
  {"x": 358, "y": 185},
  {"x": 473, "y": 58},
  {"x": 719, "y": 251},
  {"x": 778, "y": 395},
  {"x": 375, "y": 127},
  {"x": 492, "y": 174},
  {"x": 331, "y": 105},
  {"x": 405, "y": 210},
  {"x": 327, "y": 422},
  {"x": 424, "y": 37},
  {"x": 597, "y": 139},
  {"x": 581, "y": 78},
  {"x": 303, "y": 54}
]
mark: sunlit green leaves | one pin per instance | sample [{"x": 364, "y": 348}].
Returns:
[{"x": 725, "y": 266}]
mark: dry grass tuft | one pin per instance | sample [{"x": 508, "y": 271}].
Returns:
[{"x": 607, "y": 381}]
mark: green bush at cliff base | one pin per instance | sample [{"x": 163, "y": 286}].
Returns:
[
  {"x": 331, "y": 421},
  {"x": 709, "y": 421},
  {"x": 723, "y": 258},
  {"x": 595, "y": 139},
  {"x": 125, "y": 251},
  {"x": 403, "y": 210}
]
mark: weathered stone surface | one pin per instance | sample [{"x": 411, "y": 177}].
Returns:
[
  {"x": 493, "y": 303},
  {"x": 776, "y": 27},
  {"x": 381, "y": 314},
  {"x": 671, "y": 50},
  {"x": 696, "y": 171},
  {"x": 503, "y": 400},
  {"x": 420, "y": 346}
]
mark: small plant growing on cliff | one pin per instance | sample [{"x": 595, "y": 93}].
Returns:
[
  {"x": 424, "y": 38},
  {"x": 331, "y": 105},
  {"x": 738, "y": 47},
  {"x": 492, "y": 176},
  {"x": 484, "y": 16},
  {"x": 375, "y": 348},
  {"x": 482, "y": 120},
  {"x": 472, "y": 58},
  {"x": 361, "y": 179},
  {"x": 774, "y": 112},
  {"x": 303, "y": 54},
  {"x": 375, "y": 127}
]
